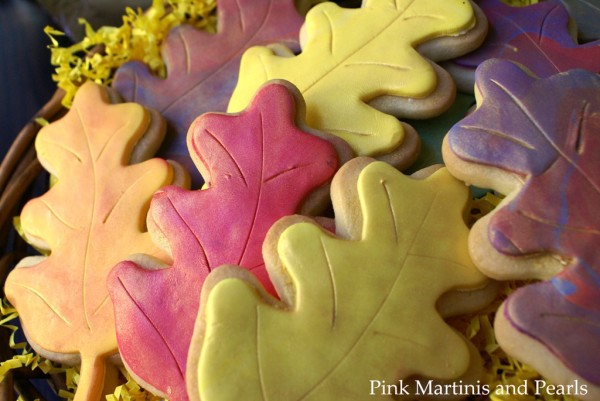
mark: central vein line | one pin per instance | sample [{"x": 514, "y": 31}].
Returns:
[
  {"x": 92, "y": 219},
  {"x": 365, "y": 44},
  {"x": 541, "y": 130}
]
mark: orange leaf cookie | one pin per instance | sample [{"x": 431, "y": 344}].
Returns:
[{"x": 92, "y": 218}]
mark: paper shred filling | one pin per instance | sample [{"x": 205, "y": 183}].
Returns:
[
  {"x": 24, "y": 356},
  {"x": 102, "y": 51}
]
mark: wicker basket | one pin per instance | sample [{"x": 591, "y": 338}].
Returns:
[{"x": 21, "y": 178}]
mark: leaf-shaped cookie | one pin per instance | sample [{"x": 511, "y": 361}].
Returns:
[
  {"x": 536, "y": 36},
  {"x": 353, "y": 56},
  {"x": 259, "y": 166},
  {"x": 202, "y": 68},
  {"x": 536, "y": 140},
  {"x": 355, "y": 307},
  {"x": 92, "y": 218}
]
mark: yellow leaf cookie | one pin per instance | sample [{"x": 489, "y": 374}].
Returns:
[
  {"x": 355, "y": 307},
  {"x": 352, "y": 56}
]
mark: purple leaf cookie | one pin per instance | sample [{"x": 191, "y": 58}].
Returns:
[
  {"x": 535, "y": 36},
  {"x": 537, "y": 141}
]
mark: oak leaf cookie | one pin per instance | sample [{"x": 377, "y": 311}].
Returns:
[
  {"x": 259, "y": 166},
  {"x": 537, "y": 36},
  {"x": 91, "y": 218},
  {"x": 352, "y": 57},
  {"x": 354, "y": 306},
  {"x": 536, "y": 141},
  {"x": 202, "y": 68}
]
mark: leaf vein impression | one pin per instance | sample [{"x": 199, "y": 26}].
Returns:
[
  {"x": 347, "y": 131},
  {"x": 122, "y": 195},
  {"x": 375, "y": 316},
  {"x": 107, "y": 141},
  {"x": 241, "y": 15},
  {"x": 330, "y": 22},
  {"x": 500, "y": 134},
  {"x": 260, "y": 191},
  {"x": 445, "y": 260},
  {"x": 44, "y": 300},
  {"x": 92, "y": 218},
  {"x": 154, "y": 326},
  {"x": 590, "y": 4},
  {"x": 426, "y": 16},
  {"x": 286, "y": 171},
  {"x": 527, "y": 35},
  {"x": 401, "y": 338},
  {"x": 379, "y": 64},
  {"x": 583, "y": 230},
  {"x": 579, "y": 131},
  {"x": 65, "y": 148},
  {"x": 258, "y": 356},
  {"x": 101, "y": 305},
  {"x": 391, "y": 211},
  {"x": 186, "y": 52},
  {"x": 58, "y": 217},
  {"x": 367, "y": 42},
  {"x": 508, "y": 46},
  {"x": 333, "y": 286},
  {"x": 193, "y": 233},
  {"x": 233, "y": 159},
  {"x": 537, "y": 125}
]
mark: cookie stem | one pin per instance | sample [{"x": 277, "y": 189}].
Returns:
[{"x": 95, "y": 379}]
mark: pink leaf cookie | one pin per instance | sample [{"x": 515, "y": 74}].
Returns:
[
  {"x": 536, "y": 36},
  {"x": 536, "y": 140},
  {"x": 259, "y": 165},
  {"x": 202, "y": 68}
]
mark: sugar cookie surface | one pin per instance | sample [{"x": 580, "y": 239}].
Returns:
[
  {"x": 354, "y": 306},
  {"x": 535, "y": 140},
  {"x": 90, "y": 219},
  {"x": 259, "y": 166}
]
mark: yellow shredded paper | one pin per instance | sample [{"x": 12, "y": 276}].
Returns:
[
  {"x": 102, "y": 51},
  {"x": 130, "y": 391},
  {"x": 25, "y": 356},
  {"x": 502, "y": 370}
]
